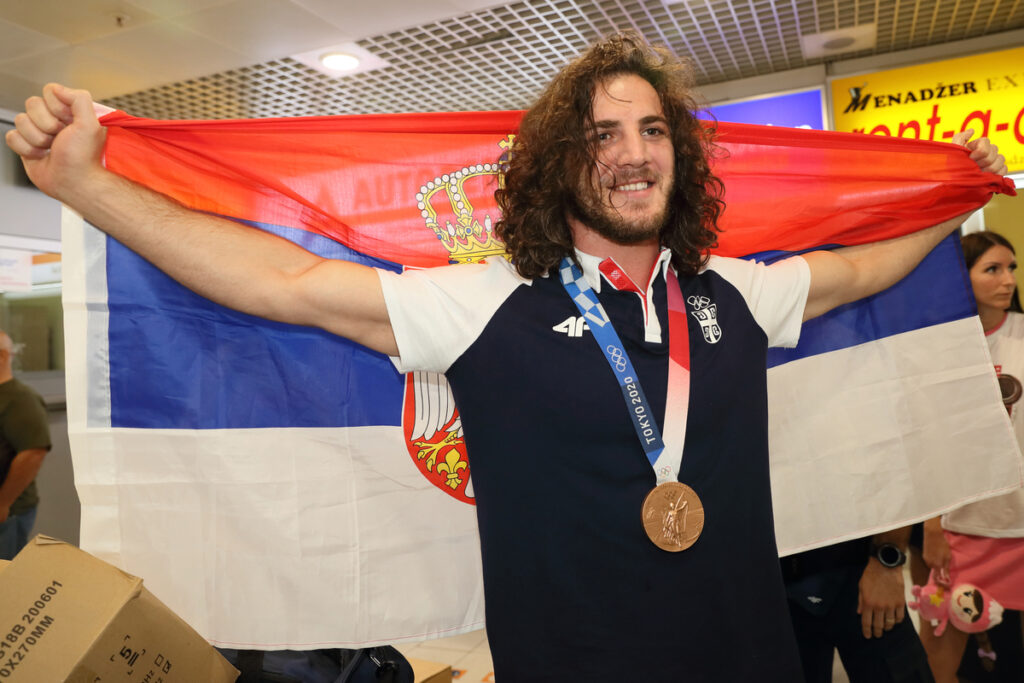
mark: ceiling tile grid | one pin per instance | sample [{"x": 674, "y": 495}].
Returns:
[{"x": 500, "y": 58}]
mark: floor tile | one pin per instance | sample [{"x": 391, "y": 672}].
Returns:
[
  {"x": 467, "y": 642},
  {"x": 468, "y": 654},
  {"x": 475, "y": 667},
  {"x": 431, "y": 653}
]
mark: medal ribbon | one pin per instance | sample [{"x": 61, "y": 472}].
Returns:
[{"x": 665, "y": 454}]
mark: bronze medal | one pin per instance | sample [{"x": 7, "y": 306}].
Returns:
[
  {"x": 673, "y": 516},
  {"x": 1010, "y": 388}
]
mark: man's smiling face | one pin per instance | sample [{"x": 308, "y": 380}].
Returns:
[{"x": 634, "y": 173}]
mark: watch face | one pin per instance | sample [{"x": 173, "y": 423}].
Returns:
[{"x": 890, "y": 555}]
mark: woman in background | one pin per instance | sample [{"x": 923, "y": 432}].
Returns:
[{"x": 983, "y": 543}]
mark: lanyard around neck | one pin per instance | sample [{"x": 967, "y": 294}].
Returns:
[{"x": 665, "y": 453}]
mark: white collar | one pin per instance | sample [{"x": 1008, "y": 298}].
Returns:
[{"x": 592, "y": 271}]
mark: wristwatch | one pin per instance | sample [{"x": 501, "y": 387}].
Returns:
[{"x": 889, "y": 555}]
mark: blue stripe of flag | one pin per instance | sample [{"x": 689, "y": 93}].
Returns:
[
  {"x": 937, "y": 291},
  {"x": 179, "y": 361}
]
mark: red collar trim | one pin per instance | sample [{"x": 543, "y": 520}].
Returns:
[
  {"x": 622, "y": 282},
  {"x": 617, "y": 277},
  {"x": 996, "y": 328}
]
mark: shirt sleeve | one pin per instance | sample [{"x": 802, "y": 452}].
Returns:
[
  {"x": 776, "y": 295},
  {"x": 436, "y": 313}
]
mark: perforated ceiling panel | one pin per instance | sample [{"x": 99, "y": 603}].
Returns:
[{"x": 500, "y": 58}]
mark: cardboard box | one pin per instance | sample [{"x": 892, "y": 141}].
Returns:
[
  {"x": 66, "y": 616},
  {"x": 431, "y": 672}
]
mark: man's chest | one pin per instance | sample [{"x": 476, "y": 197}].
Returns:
[{"x": 539, "y": 353}]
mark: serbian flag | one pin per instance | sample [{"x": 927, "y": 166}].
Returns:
[{"x": 280, "y": 487}]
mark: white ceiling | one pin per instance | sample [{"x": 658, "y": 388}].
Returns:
[
  {"x": 230, "y": 58},
  {"x": 114, "y": 47}
]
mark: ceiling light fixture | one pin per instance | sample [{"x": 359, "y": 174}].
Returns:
[
  {"x": 839, "y": 41},
  {"x": 339, "y": 61}
]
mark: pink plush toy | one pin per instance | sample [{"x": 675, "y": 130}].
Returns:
[
  {"x": 932, "y": 603},
  {"x": 967, "y": 606}
]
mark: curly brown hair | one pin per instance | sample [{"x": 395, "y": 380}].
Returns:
[{"x": 553, "y": 150}]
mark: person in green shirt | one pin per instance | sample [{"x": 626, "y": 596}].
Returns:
[{"x": 24, "y": 442}]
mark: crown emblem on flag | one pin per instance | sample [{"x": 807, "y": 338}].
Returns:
[{"x": 447, "y": 205}]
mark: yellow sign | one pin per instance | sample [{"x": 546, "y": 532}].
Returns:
[{"x": 935, "y": 101}]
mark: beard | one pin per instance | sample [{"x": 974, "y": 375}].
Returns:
[{"x": 593, "y": 211}]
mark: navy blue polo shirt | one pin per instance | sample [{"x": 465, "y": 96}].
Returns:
[{"x": 574, "y": 589}]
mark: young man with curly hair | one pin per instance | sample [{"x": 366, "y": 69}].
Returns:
[{"x": 611, "y": 552}]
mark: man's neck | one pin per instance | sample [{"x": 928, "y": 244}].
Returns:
[
  {"x": 636, "y": 260},
  {"x": 6, "y": 376}
]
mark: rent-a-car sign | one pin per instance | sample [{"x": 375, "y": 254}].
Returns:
[{"x": 937, "y": 100}]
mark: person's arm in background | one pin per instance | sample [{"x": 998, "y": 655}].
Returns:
[
  {"x": 24, "y": 468},
  {"x": 935, "y": 548},
  {"x": 881, "y": 601}
]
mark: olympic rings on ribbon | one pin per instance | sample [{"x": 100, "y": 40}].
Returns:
[{"x": 615, "y": 353}]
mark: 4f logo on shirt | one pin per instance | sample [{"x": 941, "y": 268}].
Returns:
[
  {"x": 574, "y": 326},
  {"x": 706, "y": 314}
]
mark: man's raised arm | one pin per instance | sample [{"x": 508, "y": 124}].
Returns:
[
  {"x": 844, "y": 275},
  {"x": 61, "y": 143}
]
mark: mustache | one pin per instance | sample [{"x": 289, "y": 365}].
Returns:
[
  {"x": 611, "y": 179},
  {"x": 608, "y": 177}
]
